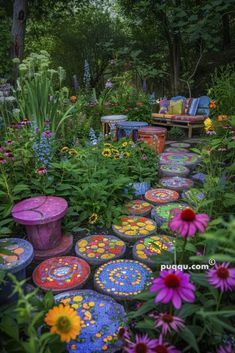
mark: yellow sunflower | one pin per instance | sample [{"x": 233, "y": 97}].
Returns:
[
  {"x": 64, "y": 321},
  {"x": 73, "y": 152},
  {"x": 106, "y": 152},
  {"x": 93, "y": 218},
  {"x": 64, "y": 149},
  {"x": 126, "y": 154},
  {"x": 124, "y": 144},
  {"x": 107, "y": 145}
]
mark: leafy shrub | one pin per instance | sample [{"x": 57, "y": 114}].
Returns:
[{"x": 176, "y": 133}]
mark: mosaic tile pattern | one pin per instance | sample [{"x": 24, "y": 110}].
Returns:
[{"x": 161, "y": 196}]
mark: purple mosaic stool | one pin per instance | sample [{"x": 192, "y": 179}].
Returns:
[
  {"x": 42, "y": 217},
  {"x": 161, "y": 196},
  {"x": 138, "y": 208},
  {"x": 174, "y": 149},
  {"x": 129, "y": 129},
  {"x": 61, "y": 273},
  {"x": 156, "y": 245},
  {"x": 100, "y": 321},
  {"x": 180, "y": 145},
  {"x": 162, "y": 214},
  {"x": 98, "y": 248},
  {"x": 122, "y": 279},
  {"x": 16, "y": 255},
  {"x": 190, "y": 160},
  {"x": 176, "y": 183},
  {"x": 173, "y": 170}
]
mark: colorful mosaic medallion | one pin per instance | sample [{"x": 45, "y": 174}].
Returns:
[
  {"x": 180, "y": 145},
  {"x": 160, "y": 196},
  {"x": 61, "y": 273},
  {"x": 132, "y": 228},
  {"x": 186, "y": 159},
  {"x": 154, "y": 245},
  {"x": 16, "y": 254},
  {"x": 97, "y": 249},
  {"x": 176, "y": 183},
  {"x": 122, "y": 279},
  {"x": 174, "y": 149},
  {"x": 139, "y": 207},
  {"x": 173, "y": 170},
  {"x": 161, "y": 214},
  {"x": 101, "y": 319}
]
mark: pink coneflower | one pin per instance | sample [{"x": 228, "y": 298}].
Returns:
[
  {"x": 9, "y": 142},
  {"x": 2, "y": 149},
  {"x": 222, "y": 277},
  {"x": 47, "y": 134},
  {"x": 143, "y": 344},
  {"x": 41, "y": 171},
  {"x": 9, "y": 155},
  {"x": 173, "y": 286},
  {"x": 46, "y": 122},
  {"x": 2, "y": 160},
  {"x": 187, "y": 222},
  {"x": 169, "y": 322},
  {"x": 225, "y": 349},
  {"x": 164, "y": 347},
  {"x": 123, "y": 333}
]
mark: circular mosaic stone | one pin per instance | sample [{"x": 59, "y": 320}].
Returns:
[
  {"x": 161, "y": 214},
  {"x": 97, "y": 249},
  {"x": 154, "y": 245},
  {"x": 160, "y": 196},
  {"x": 61, "y": 273},
  {"x": 132, "y": 228},
  {"x": 173, "y": 170},
  {"x": 139, "y": 207},
  {"x": 174, "y": 149},
  {"x": 180, "y": 145},
  {"x": 176, "y": 183},
  {"x": 122, "y": 279},
  {"x": 21, "y": 254},
  {"x": 186, "y": 159},
  {"x": 101, "y": 318}
]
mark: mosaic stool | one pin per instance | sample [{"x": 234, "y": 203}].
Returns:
[
  {"x": 98, "y": 249},
  {"x": 161, "y": 196},
  {"x": 173, "y": 170},
  {"x": 139, "y": 208},
  {"x": 122, "y": 279},
  {"x": 61, "y": 273},
  {"x": 161, "y": 214},
  {"x": 180, "y": 145},
  {"x": 16, "y": 255},
  {"x": 155, "y": 137},
  {"x": 42, "y": 217},
  {"x": 129, "y": 129},
  {"x": 132, "y": 228},
  {"x": 174, "y": 149},
  {"x": 109, "y": 122},
  {"x": 101, "y": 319},
  {"x": 189, "y": 160},
  {"x": 176, "y": 183},
  {"x": 154, "y": 245}
]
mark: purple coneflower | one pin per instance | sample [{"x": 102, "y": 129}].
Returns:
[
  {"x": 41, "y": 171},
  {"x": 187, "y": 222},
  {"x": 2, "y": 149},
  {"x": 123, "y": 333},
  {"x": 173, "y": 286},
  {"x": 9, "y": 155},
  {"x": 47, "y": 134},
  {"x": 169, "y": 322},
  {"x": 9, "y": 142},
  {"x": 222, "y": 277},
  {"x": 225, "y": 349},
  {"x": 164, "y": 347},
  {"x": 143, "y": 344},
  {"x": 2, "y": 160}
]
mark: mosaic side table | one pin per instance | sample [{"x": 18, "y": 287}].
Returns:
[
  {"x": 189, "y": 160},
  {"x": 154, "y": 245},
  {"x": 176, "y": 183},
  {"x": 101, "y": 319},
  {"x": 139, "y": 208},
  {"x": 109, "y": 122},
  {"x": 132, "y": 228},
  {"x": 155, "y": 137},
  {"x": 161, "y": 196},
  {"x": 61, "y": 273},
  {"x": 180, "y": 145},
  {"x": 15, "y": 262},
  {"x": 42, "y": 217},
  {"x": 174, "y": 149},
  {"x": 161, "y": 214},
  {"x": 173, "y": 170},
  {"x": 98, "y": 249},
  {"x": 122, "y": 279},
  {"x": 129, "y": 129}
]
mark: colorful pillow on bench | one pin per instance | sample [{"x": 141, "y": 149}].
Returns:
[
  {"x": 193, "y": 106},
  {"x": 176, "y": 107},
  {"x": 164, "y": 104}
]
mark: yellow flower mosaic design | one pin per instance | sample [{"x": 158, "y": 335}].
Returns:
[{"x": 134, "y": 227}]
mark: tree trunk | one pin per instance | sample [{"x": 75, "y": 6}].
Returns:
[
  {"x": 226, "y": 31},
  {"x": 18, "y": 28},
  {"x": 176, "y": 61}
]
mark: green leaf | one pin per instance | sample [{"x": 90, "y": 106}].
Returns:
[{"x": 189, "y": 337}]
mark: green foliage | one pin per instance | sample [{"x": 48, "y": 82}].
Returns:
[
  {"x": 5, "y": 40},
  {"x": 175, "y": 133}
]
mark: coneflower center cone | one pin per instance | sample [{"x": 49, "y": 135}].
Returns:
[
  {"x": 188, "y": 215},
  {"x": 222, "y": 273},
  {"x": 172, "y": 281}
]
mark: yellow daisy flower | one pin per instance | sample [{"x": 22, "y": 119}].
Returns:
[
  {"x": 106, "y": 152},
  {"x": 64, "y": 149},
  {"x": 93, "y": 218},
  {"x": 124, "y": 144},
  {"x": 107, "y": 145},
  {"x": 73, "y": 152},
  {"x": 126, "y": 154},
  {"x": 64, "y": 321}
]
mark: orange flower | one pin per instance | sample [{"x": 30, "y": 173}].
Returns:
[
  {"x": 221, "y": 118},
  {"x": 212, "y": 104},
  {"x": 73, "y": 99}
]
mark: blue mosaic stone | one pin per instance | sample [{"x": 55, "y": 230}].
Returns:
[{"x": 200, "y": 177}]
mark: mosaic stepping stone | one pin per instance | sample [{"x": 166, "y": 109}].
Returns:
[
  {"x": 139, "y": 207},
  {"x": 15, "y": 255},
  {"x": 61, "y": 273},
  {"x": 154, "y": 245},
  {"x": 174, "y": 149},
  {"x": 132, "y": 228},
  {"x": 180, "y": 145},
  {"x": 199, "y": 177},
  {"x": 176, "y": 183},
  {"x": 101, "y": 319},
  {"x": 173, "y": 170},
  {"x": 122, "y": 279},
  {"x": 193, "y": 195},
  {"x": 161, "y": 196},
  {"x": 98, "y": 249},
  {"x": 161, "y": 214},
  {"x": 187, "y": 159}
]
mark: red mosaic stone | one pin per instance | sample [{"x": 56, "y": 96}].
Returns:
[
  {"x": 161, "y": 196},
  {"x": 138, "y": 207}
]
